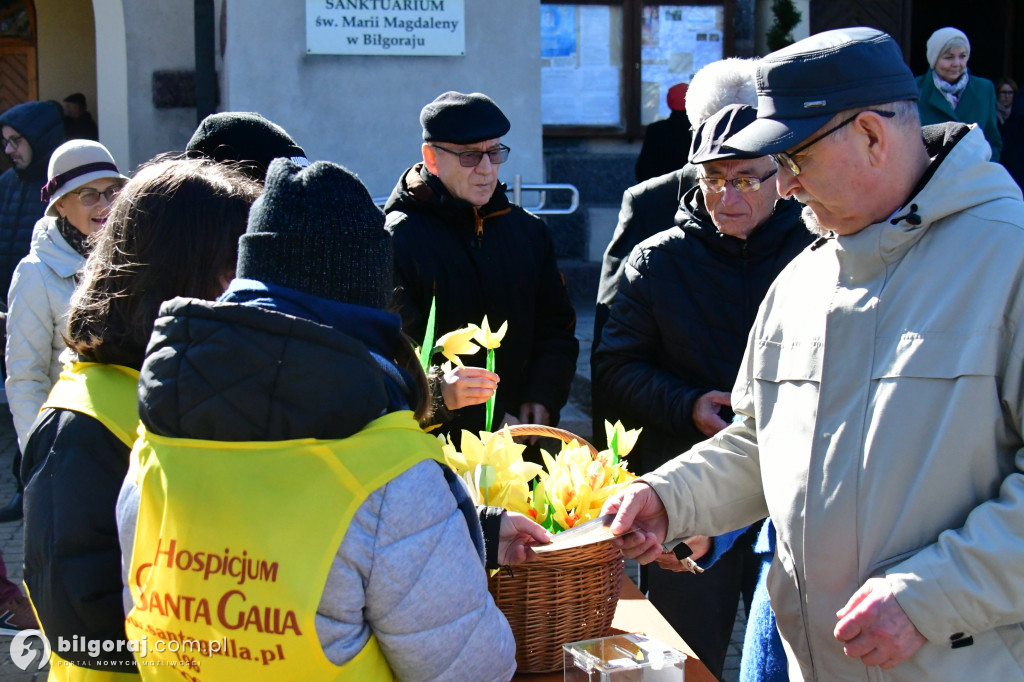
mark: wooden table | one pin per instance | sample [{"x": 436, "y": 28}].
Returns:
[{"x": 635, "y": 614}]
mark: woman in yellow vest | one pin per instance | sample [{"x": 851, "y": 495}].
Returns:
[
  {"x": 290, "y": 520},
  {"x": 172, "y": 231}
]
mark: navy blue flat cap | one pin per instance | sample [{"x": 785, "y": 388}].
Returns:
[
  {"x": 802, "y": 86},
  {"x": 463, "y": 119},
  {"x": 711, "y": 136}
]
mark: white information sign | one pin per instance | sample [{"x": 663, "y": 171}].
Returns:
[{"x": 398, "y": 28}]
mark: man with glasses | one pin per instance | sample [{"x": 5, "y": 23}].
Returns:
[
  {"x": 670, "y": 350},
  {"x": 460, "y": 242},
  {"x": 30, "y": 132},
  {"x": 881, "y": 396}
]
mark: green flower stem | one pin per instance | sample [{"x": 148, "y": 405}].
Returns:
[{"x": 489, "y": 419}]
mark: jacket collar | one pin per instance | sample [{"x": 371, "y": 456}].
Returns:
[
  {"x": 958, "y": 178},
  {"x": 420, "y": 187}
]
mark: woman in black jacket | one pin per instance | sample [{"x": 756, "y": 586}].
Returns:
[{"x": 172, "y": 231}]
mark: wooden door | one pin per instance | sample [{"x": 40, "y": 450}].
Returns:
[{"x": 18, "y": 82}]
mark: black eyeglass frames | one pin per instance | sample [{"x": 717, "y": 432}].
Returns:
[
  {"x": 786, "y": 158},
  {"x": 473, "y": 157}
]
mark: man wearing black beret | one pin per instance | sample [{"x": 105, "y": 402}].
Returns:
[{"x": 458, "y": 240}]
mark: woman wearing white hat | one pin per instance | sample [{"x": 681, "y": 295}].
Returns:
[
  {"x": 82, "y": 183},
  {"x": 950, "y": 93}
]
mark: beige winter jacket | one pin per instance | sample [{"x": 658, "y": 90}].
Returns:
[
  {"x": 881, "y": 396},
  {"x": 37, "y": 314}
]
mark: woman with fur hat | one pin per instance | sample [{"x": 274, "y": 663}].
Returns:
[
  {"x": 82, "y": 182},
  {"x": 173, "y": 230},
  {"x": 950, "y": 93},
  {"x": 287, "y": 411}
]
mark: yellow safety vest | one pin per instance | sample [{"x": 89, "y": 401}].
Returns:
[
  {"x": 109, "y": 394},
  {"x": 234, "y": 542}
]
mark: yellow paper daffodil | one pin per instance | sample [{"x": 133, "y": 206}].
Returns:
[
  {"x": 459, "y": 342},
  {"x": 488, "y": 339},
  {"x": 572, "y": 486},
  {"x": 493, "y": 468},
  {"x": 620, "y": 441}
]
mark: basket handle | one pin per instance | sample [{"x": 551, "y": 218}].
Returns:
[{"x": 550, "y": 432}]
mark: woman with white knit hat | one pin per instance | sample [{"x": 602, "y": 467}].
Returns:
[
  {"x": 950, "y": 93},
  {"x": 82, "y": 181}
]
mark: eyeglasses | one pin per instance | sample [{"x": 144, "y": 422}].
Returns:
[
  {"x": 786, "y": 158},
  {"x": 12, "y": 141},
  {"x": 472, "y": 158},
  {"x": 717, "y": 185},
  {"x": 1006, "y": 92},
  {"x": 90, "y": 197}
]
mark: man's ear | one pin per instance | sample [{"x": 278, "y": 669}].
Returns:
[
  {"x": 876, "y": 137},
  {"x": 429, "y": 158}
]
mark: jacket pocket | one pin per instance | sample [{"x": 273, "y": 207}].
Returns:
[
  {"x": 880, "y": 567},
  {"x": 778, "y": 362},
  {"x": 937, "y": 355}
]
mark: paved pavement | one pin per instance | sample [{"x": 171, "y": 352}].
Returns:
[{"x": 575, "y": 418}]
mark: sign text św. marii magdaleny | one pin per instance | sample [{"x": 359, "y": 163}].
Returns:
[{"x": 386, "y": 27}]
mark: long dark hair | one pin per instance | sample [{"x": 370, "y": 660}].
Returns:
[{"x": 172, "y": 231}]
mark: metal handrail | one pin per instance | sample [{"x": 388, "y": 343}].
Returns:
[{"x": 543, "y": 187}]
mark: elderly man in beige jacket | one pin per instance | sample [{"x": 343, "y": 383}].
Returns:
[{"x": 880, "y": 401}]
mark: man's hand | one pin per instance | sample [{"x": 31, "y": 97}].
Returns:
[
  {"x": 705, "y": 412},
  {"x": 465, "y": 386},
  {"x": 534, "y": 413},
  {"x": 639, "y": 507},
  {"x": 875, "y": 628},
  {"x": 516, "y": 535},
  {"x": 699, "y": 546}
]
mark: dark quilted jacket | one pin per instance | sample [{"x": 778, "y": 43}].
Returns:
[
  {"x": 678, "y": 326},
  {"x": 20, "y": 206},
  {"x": 506, "y": 272}
]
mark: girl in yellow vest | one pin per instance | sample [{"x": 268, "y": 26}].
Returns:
[
  {"x": 171, "y": 231},
  {"x": 289, "y": 520}
]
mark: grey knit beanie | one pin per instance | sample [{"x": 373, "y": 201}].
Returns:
[{"x": 317, "y": 230}]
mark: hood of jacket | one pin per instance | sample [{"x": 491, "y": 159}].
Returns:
[
  {"x": 42, "y": 125},
  {"x": 52, "y": 249},
  {"x": 693, "y": 219},
  {"x": 418, "y": 188},
  {"x": 235, "y": 372},
  {"x": 959, "y": 178}
]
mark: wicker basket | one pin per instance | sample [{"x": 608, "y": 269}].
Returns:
[{"x": 560, "y": 597}]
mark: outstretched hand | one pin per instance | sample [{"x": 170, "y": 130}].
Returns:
[
  {"x": 638, "y": 508},
  {"x": 515, "y": 537},
  {"x": 875, "y": 628}
]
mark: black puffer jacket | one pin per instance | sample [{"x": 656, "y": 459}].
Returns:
[
  {"x": 499, "y": 262},
  {"x": 679, "y": 323},
  {"x": 229, "y": 372},
  {"x": 73, "y": 468},
  {"x": 20, "y": 206}
]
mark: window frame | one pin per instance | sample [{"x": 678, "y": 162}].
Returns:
[{"x": 629, "y": 102}]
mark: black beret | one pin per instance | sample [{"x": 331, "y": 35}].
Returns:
[{"x": 463, "y": 119}]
